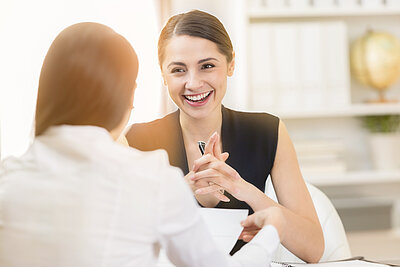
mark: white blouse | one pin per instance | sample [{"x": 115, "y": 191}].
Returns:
[{"x": 77, "y": 198}]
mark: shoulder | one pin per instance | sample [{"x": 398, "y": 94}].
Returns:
[
  {"x": 254, "y": 121},
  {"x": 153, "y": 163},
  {"x": 152, "y": 126},
  {"x": 146, "y": 136}
]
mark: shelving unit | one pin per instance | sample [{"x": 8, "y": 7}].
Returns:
[
  {"x": 356, "y": 178},
  {"x": 353, "y": 110},
  {"x": 337, "y": 121},
  {"x": 314, "y": 12},
  {"x": 318, "y": 117}
]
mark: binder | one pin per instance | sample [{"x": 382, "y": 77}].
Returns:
[{"x": 352, "y": 262}]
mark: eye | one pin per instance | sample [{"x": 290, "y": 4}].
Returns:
[
  {"x": 177, "y": 70},
  {"x": 207, "y": 66}
]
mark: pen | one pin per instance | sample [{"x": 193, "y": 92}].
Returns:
[
  {"x": 202, "y": 145},
  {"x": 283, "y": 264}
]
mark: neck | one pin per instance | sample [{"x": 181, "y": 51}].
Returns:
[{"x": 201, "y": 129}]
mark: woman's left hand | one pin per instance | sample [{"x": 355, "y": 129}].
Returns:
[
  {"x": 211, "y": 167},
  {"x": 253, "y": 223}
]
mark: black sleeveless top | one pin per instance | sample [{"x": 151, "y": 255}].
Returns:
[{"x": 250, "y": 138}]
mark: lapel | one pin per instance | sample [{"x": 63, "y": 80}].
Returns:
[{"x": 227, "y": 134}]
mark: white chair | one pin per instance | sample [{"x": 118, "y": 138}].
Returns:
[{"x": 336, "y": 244}]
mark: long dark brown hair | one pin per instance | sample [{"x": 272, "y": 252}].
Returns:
[
  {"x": 87, "y": 78},
  {"x": 197, "y": 24}
]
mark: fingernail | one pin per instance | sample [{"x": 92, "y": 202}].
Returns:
[{"x": 198, "y": 191}]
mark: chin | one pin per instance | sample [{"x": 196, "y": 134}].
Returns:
[
  {"x": 200, "y": 114},
  {"x": 197, "y": 114}
]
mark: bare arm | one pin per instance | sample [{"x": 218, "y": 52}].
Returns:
[
  {"x": 307, "y": 240},
  {"x": 303, "y": 234}
]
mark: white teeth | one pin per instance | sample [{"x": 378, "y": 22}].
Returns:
[{"x": 197, "y": 98}]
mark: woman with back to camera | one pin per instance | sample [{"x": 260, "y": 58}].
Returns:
[
  {"x": 196, "y": 57},
  {"x": 77, "y": 198}
]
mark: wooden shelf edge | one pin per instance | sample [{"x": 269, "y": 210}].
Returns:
[
  {"x": 354, "y": 178},
  {"x": 322, "y": 12},
  {"x": 354, "y": 110}
]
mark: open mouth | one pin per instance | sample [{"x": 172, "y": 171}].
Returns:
[{"x": 198, "y": 98}]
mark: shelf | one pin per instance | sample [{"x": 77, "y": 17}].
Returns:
[
  {"x": 322, "y": 12},
  {"x": 344, "y": 111},
  {"x": 354, "y": 178}
]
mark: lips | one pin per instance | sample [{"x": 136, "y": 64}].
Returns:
[{"x": 197, "y": 98}]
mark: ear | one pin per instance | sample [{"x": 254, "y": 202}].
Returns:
[{"x": 231, "y": 65}]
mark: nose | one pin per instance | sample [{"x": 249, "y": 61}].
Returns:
[{"x": 193, "y": 81}]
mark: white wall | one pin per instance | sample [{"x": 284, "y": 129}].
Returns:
[{"x": 27, "y": 29}]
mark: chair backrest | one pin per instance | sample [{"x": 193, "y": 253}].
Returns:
[{"x": 336, "y": 244}]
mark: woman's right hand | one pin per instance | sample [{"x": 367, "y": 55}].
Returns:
[
  {"x": 211, "y": 168},
  {"x": 206, "y": 200},
  {"x": 212, "y": 147}
]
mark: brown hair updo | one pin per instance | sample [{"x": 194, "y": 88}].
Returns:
[{"x": 197, "y": 24}]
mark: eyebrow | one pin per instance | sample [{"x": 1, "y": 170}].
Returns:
[
  {"x": 206, "y": 59},
  {"x": 199, "y": 62},
  {"x": 176, "y": 63}
]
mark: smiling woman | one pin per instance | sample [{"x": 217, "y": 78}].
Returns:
[
  {"x": 26, "y": 33},
  {"x": 196, "y": 57},
  {"x": 196, "y": 81}
]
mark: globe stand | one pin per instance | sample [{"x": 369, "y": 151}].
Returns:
[
  {"x": 375, "y": 62},
  {"x": 382, "y": 98}
]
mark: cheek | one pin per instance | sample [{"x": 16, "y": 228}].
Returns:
[
  {"x": 174, "y": 86},
  {"x": 219, "y": 80}
]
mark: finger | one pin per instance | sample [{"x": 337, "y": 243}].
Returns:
[
  {"x": 217, "y": 147},
  {"x": 247, "y": 238},
  {"x": 189, "y": 177},
  {"x": 223, "y": 183},
  {"x": 251, "y": 228},
  {"x": 212, "y": 183},
  {"x": 213, "y": 177},
  {"x": 260, "y": 218},
  {"x": 241, "y": 235},
  {"x": 212, "y": 187},
  {"x": 200, "y": 184},
  {"x": 218, "y": 193},
  {"x": 224, "y": 156},
  {"x": 224, "y": 169},
  {"x": 207, "y": 190},
  {"x": 221, "y": 197},
  {"x": 205, "y": 159},
  {"x": 246, "y": 235},
  {"x": 249, "y": 221},
  {"x": 253, "y": 233},
  {"x": 207, "y": 173},
  {"x": 221, "y": 190},
  {"x": 209, "y": 149}
]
